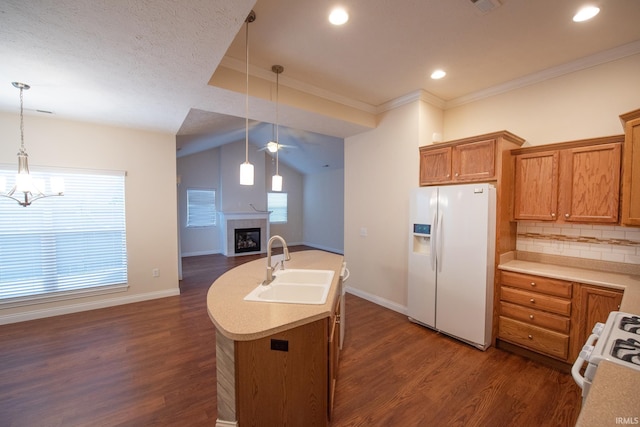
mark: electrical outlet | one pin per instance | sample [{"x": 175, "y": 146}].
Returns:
[{"x": 155, "y": 272}]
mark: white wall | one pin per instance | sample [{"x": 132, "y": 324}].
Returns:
[
  {"x": 150, "y": 191},
  {"x": 584, "y": 104},
  {"x": 381, "y": 167},
  {"x": 324, "y": 210},
  {"x": 233, "y": 196},
  {"x": 200, "y": 171}
]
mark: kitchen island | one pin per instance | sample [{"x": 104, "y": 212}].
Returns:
[
  {"x": 614, "y": 397},
  {"x": 275, "y": 362}
]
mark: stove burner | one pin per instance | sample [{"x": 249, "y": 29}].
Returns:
[
  {"x": 627, "y": 350},
  {"x": 630, "y": 324}
]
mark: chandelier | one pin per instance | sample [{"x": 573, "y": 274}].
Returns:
[{"x": 25, "y": 191}]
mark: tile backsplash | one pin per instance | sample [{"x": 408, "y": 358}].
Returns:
[{"x": 601, "y": 242}]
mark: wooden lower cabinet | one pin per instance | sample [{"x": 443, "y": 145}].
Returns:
[
  {"x": 549, "y": 316},
  {"x": 283, "y": 379},
  {"x": 534, "y": 338},
  {"x": 334, "y": 354},
  {"x": 535, "y": 313},
  {"x": 593, "y": 305}
]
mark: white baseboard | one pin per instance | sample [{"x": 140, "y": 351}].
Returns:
[
  {"x": 377, "y": 300},
  {"x": 323, "y": 248},
  {"x": 93, "y": 305}
]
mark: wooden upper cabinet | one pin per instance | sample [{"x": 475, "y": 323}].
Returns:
[
  {"x": 474, "y": 159},
  {"x": 631, "y": 169},
  {"x": 435, "y": 165},
  {"x": 592, "y": 184},
  {"x": 536, "y": 186},
  {"x": 577, "y": 182}
]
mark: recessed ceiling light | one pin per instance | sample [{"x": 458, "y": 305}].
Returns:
[
  {"x": 586, "y": 13},
  {"x": 338, "y": 16},
  {"x": 438, "y": 74}
]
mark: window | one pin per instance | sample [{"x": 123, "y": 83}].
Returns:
[
  {"x": 201, "y": 208},
  {"x": 62, "y": 246},
  {"x": 277, "y": 203}
]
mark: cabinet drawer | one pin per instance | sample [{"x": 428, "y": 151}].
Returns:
[
  {"x": 536, "y": 300},
  {"x": 540, "y": 284},
  {"x": 534, "y": 317},
  {"x": 534, "y": 338}
]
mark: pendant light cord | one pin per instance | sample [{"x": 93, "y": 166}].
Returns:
[
  {"x": 246, "y": 103},
  {"x": 22, "y": 150},
  {"x": 277, "y": 127}
]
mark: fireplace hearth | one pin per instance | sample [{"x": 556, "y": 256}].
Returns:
[{"x": 247, "y": 240}]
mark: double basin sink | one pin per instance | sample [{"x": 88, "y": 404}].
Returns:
[{"x": 295, "y": 286}]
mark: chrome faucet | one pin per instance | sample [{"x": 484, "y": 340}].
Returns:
[{"x": 270, "y": 268}]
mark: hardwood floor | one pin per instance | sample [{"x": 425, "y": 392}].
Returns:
[{"x": 153, "y": 363}]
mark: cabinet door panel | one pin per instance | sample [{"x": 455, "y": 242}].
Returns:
[
  {"x": 474, "y": 161},
  {"x": 536, "y": 186},
  {"x": 594, "y": 305},
  {"x": 631, "y": 174},
  {"x": 591, "y": 186},
  {"x": 435, "y": 166}
]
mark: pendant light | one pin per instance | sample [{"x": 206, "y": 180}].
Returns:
[
  {"x": 246, "y": 168},
  {"x": 276, "y": 180},
  {"x": 24, "y": 181}
]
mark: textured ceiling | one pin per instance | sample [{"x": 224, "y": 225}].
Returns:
[{"x": 147, "y": 63}]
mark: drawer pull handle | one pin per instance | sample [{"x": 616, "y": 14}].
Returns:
[
  {"x": 532, "y": 301},
  {"x": 567, "y": 215},
  {"x": 553, "y": 214},
  {"x": 530, "y": 337},
  {"x": 531, "y": 316},
  {"x": 533, "y": 283}
]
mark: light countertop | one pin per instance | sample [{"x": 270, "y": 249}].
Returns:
[
  {"x": 614, "y": 397},
  {"x": 241, "y": 320}
]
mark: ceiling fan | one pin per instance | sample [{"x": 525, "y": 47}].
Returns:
[{"x": 273, "y": 146}]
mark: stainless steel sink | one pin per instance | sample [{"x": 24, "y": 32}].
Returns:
[{"x": 295, "y": 286}]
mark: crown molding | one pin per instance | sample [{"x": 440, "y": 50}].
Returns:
[{"x": 600, "y": 58}]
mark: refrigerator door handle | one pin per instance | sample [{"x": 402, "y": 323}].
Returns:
[
  {"x": 434, "y": 225},
  {"x": 439, "y": 240}
]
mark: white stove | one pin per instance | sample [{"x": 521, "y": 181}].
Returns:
[{"x": 617, "y": 341}]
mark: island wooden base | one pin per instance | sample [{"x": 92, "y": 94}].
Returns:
[{"x": 276, "y": 380}]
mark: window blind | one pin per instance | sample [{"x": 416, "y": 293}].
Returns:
[
  {"x": 277, "y": 203},
  {"x": 64, "y": 245},
  {"x": 201, "y": 208}
]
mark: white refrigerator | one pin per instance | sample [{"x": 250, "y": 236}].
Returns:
[{"x": 451, "y": 260}]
